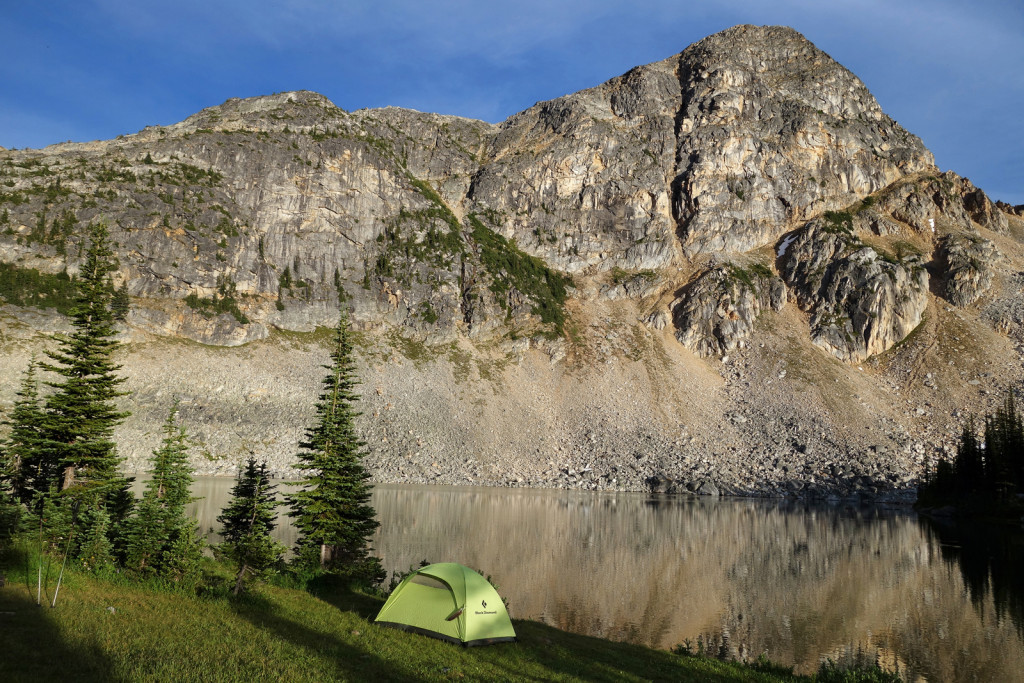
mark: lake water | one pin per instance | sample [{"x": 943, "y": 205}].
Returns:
[{"x": 797, "y": 581}]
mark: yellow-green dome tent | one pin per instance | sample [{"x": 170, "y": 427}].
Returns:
[{"x": 450, "y": 602}]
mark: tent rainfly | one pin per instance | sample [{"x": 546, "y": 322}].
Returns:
[{"x": 450, "y": 602}]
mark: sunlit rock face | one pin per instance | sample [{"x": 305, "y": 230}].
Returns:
[
  {"x": 772, "y": 132},
  {"x": 717, "y": 312},
  {"x": 539, "y": 301},
  {"x": 860, "y": 302},
  {"x": 724, "y": 147}
]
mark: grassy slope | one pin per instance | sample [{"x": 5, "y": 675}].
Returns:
[{"x": 287, "y": 635}]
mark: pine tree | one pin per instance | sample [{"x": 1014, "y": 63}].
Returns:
[
  {"x": 94, "y": 549},
  {"x": 182, "y": 563},
  {"x": 970, "y": 463},
  {"x": 160, "y": 519},
  {"x": 10, "y": 510},
  {"x": 120, "y": 303},
  {"x": 26, "y": 471},
  {"x": 986, "y": 474},
  {"x": 10, "y": 516},
  {"x": 1004, "y": 443},
  {"x": 331, "y": 508},
  {"x": 81, "y": 415},
  {"x": 248, "y": 520}
]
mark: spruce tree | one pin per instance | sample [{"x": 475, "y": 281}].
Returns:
[
  {"x": 331, "y": 507},
  {"x": 94, "y": 549},
  {"x": 26, "y": 471},
  {"x": 986, "y": 474},
  {"x": 970, "y": 462},
  {"x": 247, "y": 522},
  {"x": 10, "y": 510},
  {"x": 182, "y": 563},
  {"x": 120, "y": 303},
  {"x": 81, "y": 415},
  {"x": 160, "y": 520}
]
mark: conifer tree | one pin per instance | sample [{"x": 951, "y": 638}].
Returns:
[
  {"x": 26, "y": 471},
  {"x": 78, "y": 435},
  {"x": 10, "y": 516},
  {"x": 331, "y": 507},
  {"x": 247, "y": 522},
  {"x": 94, "y": 549},
  {"x": 986, "y": 474},
  {"x": 10, "y": 510},
  {"x": 160, "y": 520},
  {"x": 182, "y": 563},
  {"x": 969, "y": 466},
  {"x": 120, "y": 303}
]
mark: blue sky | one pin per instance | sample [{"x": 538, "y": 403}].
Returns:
[{"x": 952, "y": 72}]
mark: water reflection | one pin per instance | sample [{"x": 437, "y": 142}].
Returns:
[
  {"x": 991, "y": 563},
  {"x": 796, "y": 581}
]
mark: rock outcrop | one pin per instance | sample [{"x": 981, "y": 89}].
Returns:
[
  {"x": 968, "y": 265},
  {"x": 773, "y": 132},
  {"x": 861, "y": 302},
  {"x": 717, "y": 311},
  {"x": 930, "y": 204}
]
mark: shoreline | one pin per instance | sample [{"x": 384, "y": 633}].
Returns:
[{"x": 892, "y": 498}]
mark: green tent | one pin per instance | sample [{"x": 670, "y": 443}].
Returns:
[{"x": 450, "y": 602}]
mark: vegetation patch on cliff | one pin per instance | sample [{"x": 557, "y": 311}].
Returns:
[
  {"x": 510, "y": 268},
  {"x": 29, "y": 287},
  {"x": 223, "y": 301},
  {"x": 413, "y": 238}
]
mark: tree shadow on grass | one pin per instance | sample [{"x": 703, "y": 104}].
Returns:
[
  {"x": 338, "y": 593},
  {"x": 31, "y": 645},
  {"x": 570, "y": 655},
  {"x": 349, "y": 662},
  {"x": 543, "y": 653}
]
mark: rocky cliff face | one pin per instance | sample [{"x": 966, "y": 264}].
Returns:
[
  {"x": 861, "y": 303},
  {"x": 772, "y": 132},
  {"x": 718, "y": 310},
  {"x": 606, "y": 290}
]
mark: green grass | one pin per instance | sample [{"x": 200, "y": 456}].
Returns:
[
  {"x": 839, "y": 222},
  {"x": 280, "y": 634}
]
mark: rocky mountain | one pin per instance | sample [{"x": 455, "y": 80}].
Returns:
[{"x": 729, "y": 271}]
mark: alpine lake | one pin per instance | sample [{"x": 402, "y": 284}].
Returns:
[{"x": 796, "y": 581}]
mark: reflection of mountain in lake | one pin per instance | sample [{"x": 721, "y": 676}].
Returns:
[{"x": 797, "y": 582}]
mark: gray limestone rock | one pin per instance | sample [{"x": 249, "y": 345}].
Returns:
[
  {"x": 451, "y": 242},
  {"x": 772, "y": 131},
  {"x": 968, "y": 260},
  {"x": 717, "y": 311},
  {"x": 861, "y": 302}
]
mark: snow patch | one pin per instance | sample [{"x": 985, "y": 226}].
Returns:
[{"x": 785, "y": 245}]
